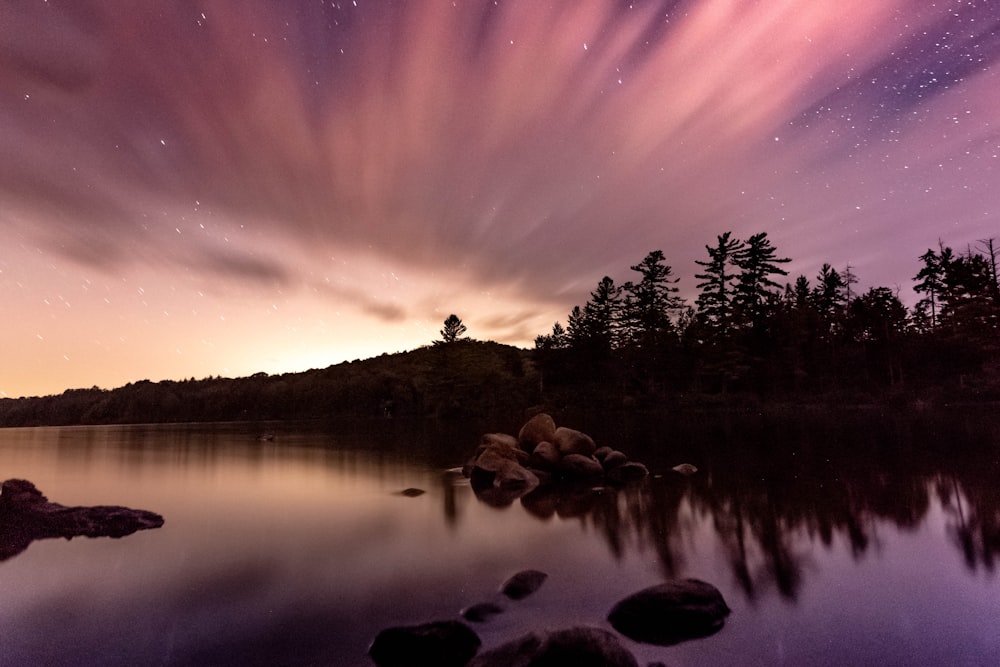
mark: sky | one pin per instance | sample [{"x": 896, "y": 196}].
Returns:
[{"x": 191, "y": 189}]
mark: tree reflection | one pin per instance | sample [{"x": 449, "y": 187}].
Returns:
[{"x": 772, "y": 495}]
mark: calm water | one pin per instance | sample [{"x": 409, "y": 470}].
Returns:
[{"x": 836, "y": 541}]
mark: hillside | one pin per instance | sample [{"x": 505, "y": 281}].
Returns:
[{"x": 456, "y": 379}]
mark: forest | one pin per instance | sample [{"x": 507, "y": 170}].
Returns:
[
  {"x": 753, "y": 332},
  {"x": 751, "y": 339}
]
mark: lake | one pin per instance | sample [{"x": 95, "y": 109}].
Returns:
[{"x": 847, "y": 539}]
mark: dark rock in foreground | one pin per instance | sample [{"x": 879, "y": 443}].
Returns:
[
  {"x": 437, "y": 644},
  {"x": 27, "y": 515},
  {"x": 523, "y": 584},
  {"x": 579, "y": 647},
  {"x": 670, "y": 613}
]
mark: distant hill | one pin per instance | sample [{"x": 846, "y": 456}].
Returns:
[{"x": 464, "y": 378}]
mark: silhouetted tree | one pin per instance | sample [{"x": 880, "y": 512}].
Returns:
[
  {"x": 453, "y": 330},
  {"x": 755, "y": 289},
  {"x": 715, "y": 300},
  {"x": 879, "y": 323},
  {"x": 932, "y": 277},
  {"x": 603, "y": 314},
  {"x": 653, "y": 298}
]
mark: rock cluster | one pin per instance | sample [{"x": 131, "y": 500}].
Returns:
[
  {"x": 542, "y": 452},
  {"x": 665, "y": 614}
]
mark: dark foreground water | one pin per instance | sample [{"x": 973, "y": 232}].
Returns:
[{"x": 843, "y": 540}]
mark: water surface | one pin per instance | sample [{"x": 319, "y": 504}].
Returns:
[{"x": 870, "y": 539}]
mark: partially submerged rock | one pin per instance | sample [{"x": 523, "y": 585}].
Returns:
[
  {"x": 504, "y": 466},
  {"x": 523, "y": 584},
  {"x": 540, "y": 428},
  {"x": 441, "y": 643},
  {"x": 27, "y": 515},
  {"x": 685, "y": 469},
  {"x": 671, "y": 612},
  {"x": 579, "y": 647},
  {"x": 571, "y": 441}
]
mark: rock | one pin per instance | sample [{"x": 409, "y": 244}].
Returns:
[
  {"x": 481, "y": 612},
  {"x": 685, "y": 469},
  {"x": 501, "y": 466},
  {"x": 614, "y": 459},
  {"x": 443, "y": 643},
  {"x": 545, "y": 456},
  {"x": 504, "y": 475},
  {"x": 538, "y": 429},
  {"x": 627, "y": 472},
  {"x": 601, "y": 452},
  {"x": 579, "y": 647},
  {"x": 523, "y": 584},
  {"x": 571, "y": 441},
  {"x": 578, "y": 466},
  {"x": 27, "y": 515},
  {"x": 670, "y": 613}
]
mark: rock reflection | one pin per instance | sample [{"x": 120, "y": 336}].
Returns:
[
  {"x": 773, "y": 500},
  {"x": 26, "y": 515}
]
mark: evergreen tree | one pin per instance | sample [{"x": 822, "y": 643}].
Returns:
[
  {"x": 603, "y": 314},
  {"x": 931, "y": 278},
  {"x": 453, "y": 331},
  {"x": 715, "y": 300},
  {"x": 654, "y": 297},
  {"x": 755, "y": 289}
]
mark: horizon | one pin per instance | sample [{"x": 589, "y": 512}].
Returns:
[{"x": 264, "y": 188}]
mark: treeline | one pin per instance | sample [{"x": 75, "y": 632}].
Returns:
[
  {"x": 751, "y": 331},
  {"x": 463, "y": 378}
]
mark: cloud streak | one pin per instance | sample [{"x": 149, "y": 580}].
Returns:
[{"x": 528, "y": 147}]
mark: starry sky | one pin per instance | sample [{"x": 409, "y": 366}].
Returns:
[{"x": 222, "y": 187}]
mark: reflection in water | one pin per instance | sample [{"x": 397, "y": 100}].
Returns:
[
  {"x": 298, "y": 549},
  {"x": 771, "y": 494},
  {"x": 26, "y": 515}
]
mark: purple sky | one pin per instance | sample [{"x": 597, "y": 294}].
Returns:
[{"x": 192, "y": 189}]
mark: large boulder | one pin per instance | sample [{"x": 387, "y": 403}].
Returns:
[
  {"x": 438, "y": 644},
  {"x": 671, "y": 612},
  {"x": 579, "y": 647},
  {"x": 571, "y": 441},
  {"x": 538, "y": 429}
]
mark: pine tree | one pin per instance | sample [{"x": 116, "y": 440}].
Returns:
[
  {"x": 654, "y": 297},
  {"x": 755, "y": 289},
  {"x": 931, "y": 278},
  {"x": 715, "y": 300},
  {"x": 453, "y": 331},
  {"x": 603, "y": 314}
]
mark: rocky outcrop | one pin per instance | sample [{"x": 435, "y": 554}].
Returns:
[
  {"x": 671, "y": 612},
  {"x": 27, "y": 515}
]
